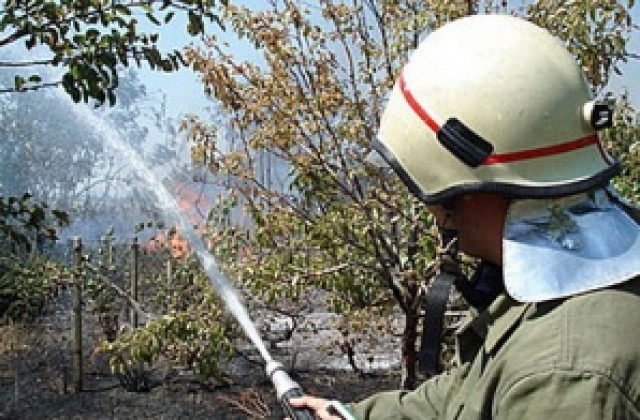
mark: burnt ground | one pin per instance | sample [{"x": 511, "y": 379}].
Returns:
[
  {"x": 105, "y": 399},
  {"x": 36, "y": 382},
  {"x": 38, "y": 396}
]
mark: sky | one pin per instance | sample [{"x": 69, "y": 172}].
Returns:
[
  {"x": 183, "y": 90},
  {"x": 630, "y": 78}
]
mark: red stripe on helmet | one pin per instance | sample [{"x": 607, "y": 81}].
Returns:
[
  {"x": 505, "y": 157},
  {"x": 413, "y": 103},
  {"x": 542, "y": 151}
]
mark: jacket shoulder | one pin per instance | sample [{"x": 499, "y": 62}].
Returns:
[{"x": 589, "y": 335}]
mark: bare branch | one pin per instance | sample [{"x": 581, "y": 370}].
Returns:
[
  {"x": 31, "y": 88},
  {"x": 26, "y": 63}
]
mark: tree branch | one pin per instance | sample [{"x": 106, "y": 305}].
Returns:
[
  {"x": 31, "y": 88},
  {"x": 26, "y": 63}
]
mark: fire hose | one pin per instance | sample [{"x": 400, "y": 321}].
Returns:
[{"x": 287, "y": 388}]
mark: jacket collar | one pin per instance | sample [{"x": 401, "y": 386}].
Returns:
[{"x": 490, "y": 328}]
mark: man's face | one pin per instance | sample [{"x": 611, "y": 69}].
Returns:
[
  {"x": 479, "y": 221},
  {"x": 440, "y": 214}
]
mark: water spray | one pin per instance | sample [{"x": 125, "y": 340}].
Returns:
[{"x": 286, "y": 388}]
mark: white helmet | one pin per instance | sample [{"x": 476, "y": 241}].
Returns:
[{"x": 494, "y": 104}]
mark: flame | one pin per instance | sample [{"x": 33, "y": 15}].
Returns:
[{"x": 193, "y": 202}]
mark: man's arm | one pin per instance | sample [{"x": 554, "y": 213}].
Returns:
[
  {"x": 566, "y": 394},
  {"x": 429, "y": 401}
]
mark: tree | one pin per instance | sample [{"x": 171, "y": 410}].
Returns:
[
  {"x": 91, "y": 40},
  {"x": 26, "y": 280},
  {"x": 624, "y": 143},
  {"x": 62, "y": 160},
  {"x": 46, "y": 151},
  {"x": 336, "y": 222}
]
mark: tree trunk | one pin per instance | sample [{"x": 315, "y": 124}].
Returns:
[
  {"x": 409, "y": 338},
  {"x": 77, "y": 309},
  {"x": 409, "y": 352},
  {"x": 471, "y": 7},
  {"x": 135, "y": 265}
]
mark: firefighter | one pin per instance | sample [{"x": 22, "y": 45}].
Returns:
[{"x": 492, "y": 124}]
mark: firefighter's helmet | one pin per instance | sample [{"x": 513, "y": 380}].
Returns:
[{"x": 495, "y": 104}]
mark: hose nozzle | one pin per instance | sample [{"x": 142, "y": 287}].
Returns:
[{"x": 287, "y": 388}]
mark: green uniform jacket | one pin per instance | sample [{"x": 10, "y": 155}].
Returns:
[{"x": 574, "y": 358}]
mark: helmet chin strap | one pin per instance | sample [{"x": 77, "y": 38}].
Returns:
[
  {"x": 484, "y": 286},
  {"x": 435, "y": 302}
]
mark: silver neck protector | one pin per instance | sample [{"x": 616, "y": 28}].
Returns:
[{"x": 555, "y": 248}]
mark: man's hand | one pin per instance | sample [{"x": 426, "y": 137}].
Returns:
[{"x": 322, "y": 408}]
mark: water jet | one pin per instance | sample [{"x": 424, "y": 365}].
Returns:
[{"x": 285, "y": 387}]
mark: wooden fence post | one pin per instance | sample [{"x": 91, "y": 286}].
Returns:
[
  {"x": 169, "y": 271},
  {"x": 135, "y": 248},
  {"x": 77, "y": 310}
]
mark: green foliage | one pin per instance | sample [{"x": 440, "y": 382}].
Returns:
[
  {"x": 188, "y": 340},
  {"x": 93, "y": 39},
  {"x": 27, "y": 285},
  {"x": 23, "y": 222},
  {"x": 183, "y": 324},
  {"x": 623, "y": 142},
  {"x": 596, "y": 32},
  {"x": 27, "y": 281},
  {"x": 104, "y": 282}
]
